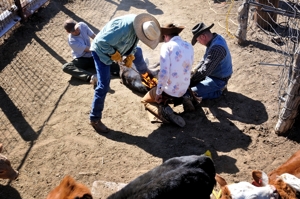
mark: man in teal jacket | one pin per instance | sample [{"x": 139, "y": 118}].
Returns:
[{"x": 118, "y": 39}]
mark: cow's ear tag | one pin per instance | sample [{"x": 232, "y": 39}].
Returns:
[
  {"x": 217, "y": 196},
  {"x": 208, "y": 153}
]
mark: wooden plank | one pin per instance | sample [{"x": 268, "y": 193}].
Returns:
[{"x": 266, "y": 20}]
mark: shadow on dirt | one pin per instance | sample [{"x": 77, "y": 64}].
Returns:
[
  {"x": 146, "y": 4},
  {"x": 9, "y": 192},
  {"x": 211, "y": 127}
]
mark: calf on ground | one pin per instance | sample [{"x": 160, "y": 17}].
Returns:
[
  {"x": 6, "y": 170},
  {"x": 180, "y": 177},
  {"x": 70, "y": 189}
]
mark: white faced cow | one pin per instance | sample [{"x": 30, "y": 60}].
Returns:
[{"x": 282, "y": 182}]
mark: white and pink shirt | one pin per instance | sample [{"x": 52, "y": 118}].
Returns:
[{"x": 176, "y": 60}]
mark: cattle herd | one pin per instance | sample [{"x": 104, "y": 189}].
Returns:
[{"x": 186, "y": 177}]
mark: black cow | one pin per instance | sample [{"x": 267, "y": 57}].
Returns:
[{"x": 180, "y": 177}]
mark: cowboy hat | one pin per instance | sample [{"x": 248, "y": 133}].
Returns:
[
  {"x": 170, "y": 29},
  {"x": 198, "y": 29},
  {"x": 147, "y": 29}
]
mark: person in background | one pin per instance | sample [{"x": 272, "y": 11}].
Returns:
[
  {"x": 211, "y": 75},
  {"x": 79, "y": 41},
  {"x": 176, "y": 60},
  {"x": 118, "y": 39}
]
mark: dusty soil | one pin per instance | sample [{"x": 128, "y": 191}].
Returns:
[{"x": 44, "y": 112}]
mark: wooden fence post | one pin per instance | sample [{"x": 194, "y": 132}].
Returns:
[
  {"x": 266, "y": 20},
  {"x": 243, "y": 12},
  {"x": 291, "y": 106}
]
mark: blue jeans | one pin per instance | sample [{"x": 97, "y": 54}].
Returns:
[
  {"x": 103, "y": 76},
  {"x": 209, "y": 88}
]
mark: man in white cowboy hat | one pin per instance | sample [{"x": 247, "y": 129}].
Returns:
[
  {"x": 118, "y": 38},
  {"x": 212, "y": 73},
  {"x": 176, "y": 60}
]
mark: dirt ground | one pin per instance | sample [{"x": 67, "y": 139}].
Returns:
[{"x": 44, "y": 112}]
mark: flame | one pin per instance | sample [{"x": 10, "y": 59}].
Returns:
[{"x": 148, "y": 81}]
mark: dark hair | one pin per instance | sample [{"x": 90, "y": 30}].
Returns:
[{"x": 69, "y": 25}]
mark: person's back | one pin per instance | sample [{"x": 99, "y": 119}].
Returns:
[
  {"x": 178, "y": 66},
  {"x": 224, "y": 68},
  {"x": 176, "y": 60},
  {"x": 117, "y": 34}
]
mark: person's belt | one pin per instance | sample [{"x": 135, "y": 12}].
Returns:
[{"x": 223, "y": 79}]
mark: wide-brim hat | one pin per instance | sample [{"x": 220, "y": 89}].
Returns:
[
  {"x": 198, "y": 29},
  {"x": 147, "y": 29},
  {"x": 170, "y": 29}
]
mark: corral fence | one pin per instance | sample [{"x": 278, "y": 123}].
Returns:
[
  {"x": 13, "y": 11},
  {"x": 279, "y": 20}
]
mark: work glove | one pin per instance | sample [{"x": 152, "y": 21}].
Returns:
[
  {"x": 128, "y": 60},
  {"x": 116, "y": 57}
]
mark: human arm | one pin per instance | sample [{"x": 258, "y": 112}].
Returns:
[
  {"x": 206, "y": 66},
  {"x": 93, "y": 36},
  {"x": 158, "y": 99},
  {"x": 163, "y": 75}
]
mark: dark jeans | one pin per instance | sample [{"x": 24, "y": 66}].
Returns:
[{"x": 78, "y": 68}]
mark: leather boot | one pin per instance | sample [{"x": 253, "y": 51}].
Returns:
[
  {"x": 99, "y": 126},
  {"x": 167, "y": 112}
]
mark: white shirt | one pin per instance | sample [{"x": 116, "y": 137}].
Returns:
[
  {"x": 80, "y": 42},
  {"x": 176, "y": 60}
]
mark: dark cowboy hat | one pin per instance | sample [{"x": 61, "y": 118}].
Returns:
[
  {"x": 170, "y": 29},
  {"x": 198, "y": 29}
]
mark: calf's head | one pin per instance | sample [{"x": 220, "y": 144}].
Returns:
[
  {"x": 245, "y": 190},
  {"x": 70, "y": 189},
  {"x": 286, "y": 184}
]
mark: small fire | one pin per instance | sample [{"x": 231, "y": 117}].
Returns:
[{"x": 148, "y": 81}]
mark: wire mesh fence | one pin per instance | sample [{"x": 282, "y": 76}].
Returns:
[
  {"x": 32, "y": 50},
  {"x": 272, "y": 25}
]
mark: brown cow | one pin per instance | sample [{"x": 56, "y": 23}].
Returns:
[
  {"x": 291, "y": 166},
  {"x": 70, "y": 189},
  {"x": 283, "y": 181},
  {"x": 6, "y": 171}
]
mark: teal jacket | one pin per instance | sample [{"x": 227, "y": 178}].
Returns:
[{"x": 117, "y": 35}]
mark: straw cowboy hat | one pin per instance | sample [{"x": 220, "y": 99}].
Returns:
[
  {"x": 147, "y": 29},
  {"x": 170, "y": 29},
  {"x": 198, "y": 29}
]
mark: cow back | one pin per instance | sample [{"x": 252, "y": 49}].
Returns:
[{"x": 180, "y": 177}]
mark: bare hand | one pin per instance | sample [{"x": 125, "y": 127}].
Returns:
[{"x": 158, "y": 99}]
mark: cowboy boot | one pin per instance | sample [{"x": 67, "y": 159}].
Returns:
[
  {"x": 99, "y": 126},
  {"x": 167, "y": 112}
]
